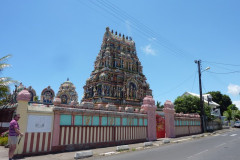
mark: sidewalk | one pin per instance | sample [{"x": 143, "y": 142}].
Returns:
[{"x": 112, "y": 150}]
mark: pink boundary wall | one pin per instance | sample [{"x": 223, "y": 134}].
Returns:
[
  {"x": 150, "y": 108},
  {"x": 52, "y": 142},
  {"x": 191, "y": 124},
  {"x": 173, "y": 130}
]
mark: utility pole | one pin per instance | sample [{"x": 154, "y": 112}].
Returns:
[{"x": 201, "y": 99}]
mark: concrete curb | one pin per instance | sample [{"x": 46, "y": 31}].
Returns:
[
  {"x": 165, "y": 141},
  {"x": 146, "y": 144},
  {"x": 83, "y": 154},
  {"x": 122, "y": 148}
]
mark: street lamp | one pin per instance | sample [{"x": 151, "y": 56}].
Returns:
[{"x": 200, "y": 90}]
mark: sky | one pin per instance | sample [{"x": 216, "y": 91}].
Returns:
[{"x": 52, "y": 40}]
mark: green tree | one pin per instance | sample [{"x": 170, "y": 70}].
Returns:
[
  {"x": 223, "y": 100},
  {"x": 232, "y": 107},
  {"x": 232, "y": 115},
  {"x": 236, "y": 114},
  {"x": 191, "y": 104},
  {"x": 4, "y": 81},
  {"x": 228, "y": 115},
  {"x": 4, "y": 94},
  {"x": 35, "y": 98},
  {"x": 158, "y": 104}
]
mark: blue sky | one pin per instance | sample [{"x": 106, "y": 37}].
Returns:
[{"x": 51, "y": 40}]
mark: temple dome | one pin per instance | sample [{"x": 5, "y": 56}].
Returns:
[
  {"x": 68, "y": 85},
  {"x": 67, "y": 92}
]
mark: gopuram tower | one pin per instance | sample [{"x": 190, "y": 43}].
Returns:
[{"x": 117, "y": 77}]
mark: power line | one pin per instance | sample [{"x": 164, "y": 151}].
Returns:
[
  {"x": 224, "y": 72},
  {"x": 138, "y": 23},
  {"x": 143, "y": 29},
  {"x": 222, "y": 63},
  {"x": 179, "y": 85}
]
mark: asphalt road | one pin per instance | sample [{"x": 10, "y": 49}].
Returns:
[{"x": 218, "y": 147}]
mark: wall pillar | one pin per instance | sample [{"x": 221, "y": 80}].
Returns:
[
  {"x": 169, "y": 119},
  {"x": 150, "y": 108},
  {"x": 56, "y": 129},
  {"x": 23, "y": 98}
]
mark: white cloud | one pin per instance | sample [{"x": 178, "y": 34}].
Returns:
[
  {"x": 237, "y": 103},
  {"x": 234, "y": 89},
  {"x": 148, "y": 50}
]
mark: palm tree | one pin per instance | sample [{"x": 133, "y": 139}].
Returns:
[{"x": 4, "y": 81}]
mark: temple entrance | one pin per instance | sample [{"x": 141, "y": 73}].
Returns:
[{"x": 160, "y": 126}]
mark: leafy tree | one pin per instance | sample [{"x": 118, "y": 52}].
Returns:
[
  {"x": 232, "y": 107},
  {"x": 191, "y": 104},
  {"x": 228, "y": 115},
  {"x": 35, "y": 98},
  {"x": 232, "y": 114},
  {"x": 158, "y": 104},
  {"x": 236, "y": 114},
  {"x": 223, "y": 100},
  {"x": 4, "y": 94},
  {"x": 4, "y": 81}
]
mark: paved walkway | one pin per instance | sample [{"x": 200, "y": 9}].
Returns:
[{"x": 111, "y": 150}]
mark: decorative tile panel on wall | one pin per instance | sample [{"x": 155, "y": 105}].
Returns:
[
  {"x": 87, "y": 120},
  {"x": 117, "y": 121},
  {"x": 65, "y": 119},
  {"x": 135, "y": 121},
  {"x": 124, "y": 122},
  {"x": 179, "y": 122},
  {"x": 130, "y": 121},
  {"x": 95, "y": 121},
  {"x": 104, "y": 121},
  {"x": 78, "y": 120},
  {"x": 140, "y": 122},
  {"x": 111, "y": 121},
  {"x": 145, "y": 122}
]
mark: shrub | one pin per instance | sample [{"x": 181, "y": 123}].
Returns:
[
  {"x": 3, "y": 141},
  {"x": 5, "y": 134}
]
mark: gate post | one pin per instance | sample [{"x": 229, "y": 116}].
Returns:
[
  {"x": 169, "y": 119},
  {"x": 56, "y": 124},
  {"x": 150, "y": 108},
  {"x": 23, "y": 98}
]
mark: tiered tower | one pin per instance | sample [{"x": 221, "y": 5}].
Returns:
[{"x": 117, "y": 77}]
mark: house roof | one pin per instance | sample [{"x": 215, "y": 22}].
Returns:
[{"x": 205, "y": 97}]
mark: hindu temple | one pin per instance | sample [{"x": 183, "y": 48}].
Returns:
[{"x": 117, "y": 77}]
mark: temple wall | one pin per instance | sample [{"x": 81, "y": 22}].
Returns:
[
  {"x": 36, "y": 124},
  {"x": 85, "y": 128},
  {"x": 186, "y": 125},
  {"x": 49, "y": 128},
  {"x": 179, "y": 124}
]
